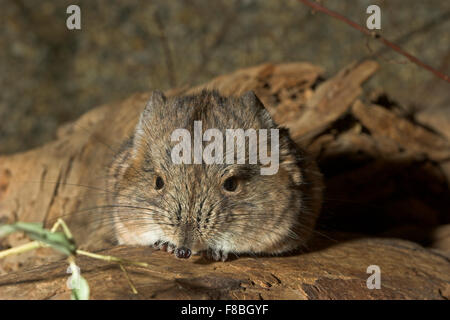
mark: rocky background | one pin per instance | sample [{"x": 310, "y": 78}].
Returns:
[{"x": 50, "y": 75}]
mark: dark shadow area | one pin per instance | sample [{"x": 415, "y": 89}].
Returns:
[{"x": 405, "y": 199}]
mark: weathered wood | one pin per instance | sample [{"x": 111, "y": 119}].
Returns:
[
  {"x": 388, "y": 175},
  {"x": 408, "y": 271}
]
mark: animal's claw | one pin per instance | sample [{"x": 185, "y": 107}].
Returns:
[
  {"x": 217, "y": 255},
  {"x": 164, "y": 246}
]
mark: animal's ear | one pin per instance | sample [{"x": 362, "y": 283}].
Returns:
[
  {"x": 156, "y": 101},
  {"x": 251, "y": 101},
  {"x": 151, "y": 112}
]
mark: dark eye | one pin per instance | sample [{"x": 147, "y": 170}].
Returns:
[
  {"x": 230, "y": 184},
  {"x": 159, "y": 183}
]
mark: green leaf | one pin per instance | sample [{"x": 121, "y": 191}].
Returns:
[
  {"x": 29, "y": 227},
  {"x": 6, "y": 229},
  {"x": 82, "y": 291},
  {"x": 36, "y": 231}
]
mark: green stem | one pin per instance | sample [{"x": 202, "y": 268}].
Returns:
[
  {"x": 112, "y": 259},
  {"x": 21, "y": 249}
]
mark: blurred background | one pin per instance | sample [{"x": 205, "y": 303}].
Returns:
[{"x": 50, "y": 75}]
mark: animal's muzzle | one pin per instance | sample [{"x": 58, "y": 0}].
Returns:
[{"x": 183, "y": 253}]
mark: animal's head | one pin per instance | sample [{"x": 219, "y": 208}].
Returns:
[{"x": 179, "y": 182}]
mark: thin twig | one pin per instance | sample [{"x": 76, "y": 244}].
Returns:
[
  {"x": 133, "y": 288},
  {"x": 112, "y": 259},
  {"x": 433, "y": 22},
  {"x": 376, "y": 35},
  {"x": 166, "y": 49},
  {"x": 21, "y": 249},
  {"x": 66, "y": 230},
  {"x": 71, "y": 259}
]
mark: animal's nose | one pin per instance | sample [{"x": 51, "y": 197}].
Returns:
[{"x": 183, "y": 253}]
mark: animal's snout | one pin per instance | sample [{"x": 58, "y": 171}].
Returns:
[{"x": 183, "y": 253}]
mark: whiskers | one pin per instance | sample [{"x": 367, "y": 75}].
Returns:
[{"x": 100, "y": 221}]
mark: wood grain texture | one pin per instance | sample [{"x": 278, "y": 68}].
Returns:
[
  {"x": 387, "y": 172},
  {"x": 408, "y": 271}
]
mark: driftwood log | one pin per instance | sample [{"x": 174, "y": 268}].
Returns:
[{"x": 387, "y": 199}]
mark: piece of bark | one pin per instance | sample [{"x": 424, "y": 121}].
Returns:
[
  {"x": 362, "y": 158},
  {"x": 438, "y": 119},
  {"x": 284, "y": 89},
  {"x": 335, "y": 272},
  {"x": 441, "y": 238},
  {"x": 415, "y": 139},
  {"x": 66, "y": 176},
  {"x": 331, "y": 100}
]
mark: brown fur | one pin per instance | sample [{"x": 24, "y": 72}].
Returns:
[{"x": 266, "y": 214}]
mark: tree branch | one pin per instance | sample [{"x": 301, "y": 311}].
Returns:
[{"x": 376, "y": 35}]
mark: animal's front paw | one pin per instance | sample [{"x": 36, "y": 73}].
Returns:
[
  {"x": 216, "y": 255},
  {"x": 164, "y": 246}
]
